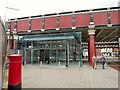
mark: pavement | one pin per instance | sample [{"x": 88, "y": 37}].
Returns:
[{"x": 48, "y": 76}]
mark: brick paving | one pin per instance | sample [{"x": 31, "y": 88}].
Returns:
[
  {"x": 117, "y": 67},
  {"x": 74, "y": 77}
]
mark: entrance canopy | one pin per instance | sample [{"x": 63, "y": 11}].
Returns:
[
  {"x": 57, "y": 36},
  {"x": 64, "y": 47}
]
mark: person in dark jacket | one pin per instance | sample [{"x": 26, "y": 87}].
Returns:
[{"x": 103, "y": 61}]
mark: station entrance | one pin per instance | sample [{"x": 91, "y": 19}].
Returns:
[{"x": 63, "y": 48}]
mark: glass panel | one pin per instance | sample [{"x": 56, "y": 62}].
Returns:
[
  {"x": 41, "y": 56},
  {"x": 61, "y": 56},
  {"x": 46, "y": 56},
  {"x": 28, "y": 56},
  {"x": 52, "y": 49},
  {"x": 35, "y": 56}
]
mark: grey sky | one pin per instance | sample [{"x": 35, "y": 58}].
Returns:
[{"x": 38, "y": 7}]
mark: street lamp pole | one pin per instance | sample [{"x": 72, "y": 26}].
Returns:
[
  {"x": 6, "y": 25},
  {"x": 10, "y": 9}
]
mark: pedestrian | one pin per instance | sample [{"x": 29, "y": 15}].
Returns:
[
  {"x": 103, "y": 61},
  {"x": 106, "y": 63},
  {"x": 94, "y": 59}
]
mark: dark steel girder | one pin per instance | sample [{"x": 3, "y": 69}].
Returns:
[{"x": 109, "y": 35}]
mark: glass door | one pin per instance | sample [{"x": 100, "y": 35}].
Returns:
[
  {"x": 62, "y": 57},
  {"x": 27, "y": 56},
  {"x": 41, "y": 56},
  {"x": 35, "y": 57}
]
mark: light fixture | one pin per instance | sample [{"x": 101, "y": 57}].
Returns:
[
  {"x": 28, "y": 31},
  {"x": 15, "y": 37},
  {"x": 109, "y": 25},
  {"x": 42, "y": 30},
  {"x": 73, "y": 27},
  {"x": 8, "y": 30},
  {"x": 60, "y": 45},
  {"x": 57, "y": 29},
  {"x": 91, "y": 23},
  {"x": 14, "y": 32},
  {"x": 91, "y": 26},
  {"x": 30, "y": 46}
]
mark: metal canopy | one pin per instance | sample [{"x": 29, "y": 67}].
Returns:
[{"x": 58, "y": 36}]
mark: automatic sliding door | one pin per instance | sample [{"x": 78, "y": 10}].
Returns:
[
  {"x": 42, "y": 56},
  {"x": 31, "y": 56},
  {"x": 28, "y": 56},
  {"x": 53, "y": 57},
  {"x": 62, "y": 57},
  {"x": 35, "y": 56},
  {"x": 46, "y": 56}
]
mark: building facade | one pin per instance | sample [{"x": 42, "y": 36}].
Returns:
[{"x": 66, "y": 36}]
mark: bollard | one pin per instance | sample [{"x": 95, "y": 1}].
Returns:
[
  {"x": 25, "y": 63},
  {"x": 41, "y": 64},
  {"x": 79, "y": 63},
  {"x": 15, "y": 69},
  {"x": 59, "y": 63}
]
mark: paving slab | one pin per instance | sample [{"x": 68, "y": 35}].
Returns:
[{"x": 74, "y": 77}]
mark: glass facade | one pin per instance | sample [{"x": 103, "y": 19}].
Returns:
[{"x": 63, "y": 48}]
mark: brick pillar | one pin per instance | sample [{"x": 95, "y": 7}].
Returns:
[{"x": 91, "y": 48}]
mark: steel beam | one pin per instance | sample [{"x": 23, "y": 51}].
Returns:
[
  {"x": 99, "y": 32},
  {"x": 109, "y": 34}
]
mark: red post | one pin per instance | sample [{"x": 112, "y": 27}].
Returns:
[
  {"x": 92, "y": 48},
  {"x": 15, "y": 69}
]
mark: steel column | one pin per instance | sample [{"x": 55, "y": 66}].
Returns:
[
  {"x": 31, "y": 53},
  {"x": 67, "y": 54}
]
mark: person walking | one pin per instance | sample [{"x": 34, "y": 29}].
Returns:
[
  {"x": 94, "y": 59},
  {"x": 103, "y": 61}
]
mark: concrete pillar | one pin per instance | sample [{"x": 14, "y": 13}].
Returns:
[{"x": 92, "y": 48}]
